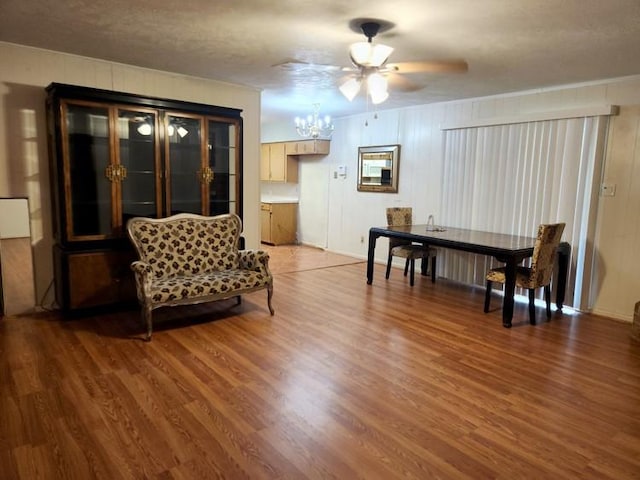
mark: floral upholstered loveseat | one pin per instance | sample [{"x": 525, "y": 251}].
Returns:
[{"x": 188, "y": 259}]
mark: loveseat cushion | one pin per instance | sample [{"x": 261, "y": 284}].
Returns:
[{"x": 206, "y": 284}]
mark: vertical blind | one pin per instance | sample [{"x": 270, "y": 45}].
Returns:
[{"x": 511, "y": 178}]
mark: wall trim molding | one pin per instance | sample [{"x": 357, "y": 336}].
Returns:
[{"x": 592, "y": 111}]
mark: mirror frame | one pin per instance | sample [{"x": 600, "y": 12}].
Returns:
[{"x": 382, "y": 152}]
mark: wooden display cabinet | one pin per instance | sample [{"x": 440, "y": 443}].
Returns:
[{"x": 114, "y": 156}]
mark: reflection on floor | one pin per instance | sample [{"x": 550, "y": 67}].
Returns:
[{"x": 296, "y": 258}]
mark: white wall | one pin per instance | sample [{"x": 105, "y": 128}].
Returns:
[
  {"x": 25, "y": 72},
  {"x": 14, "y": 218},
  {"x": 349, "y": 214}
]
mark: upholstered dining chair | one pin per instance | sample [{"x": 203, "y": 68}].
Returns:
[
  {"x": 538, "y": 275},
  {"x": 397, "y": 216}
]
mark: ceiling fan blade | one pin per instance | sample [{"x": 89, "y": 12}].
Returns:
[
  {"x": 442, "y": 66},
  {"x": 299, "y": 65},
  {"x": 402, "y": 84}
]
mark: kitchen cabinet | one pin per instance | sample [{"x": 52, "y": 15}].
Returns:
[
  {"x": 276, "y": 165},
  {"x": 114, "y": 156},
  {"x": 279, "y": 160},
  {"x": 279, "y": 223},
  {"x": 307, "y": 147}
]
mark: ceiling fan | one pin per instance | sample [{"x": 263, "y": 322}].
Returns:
[{"x": 371, "y": 68}]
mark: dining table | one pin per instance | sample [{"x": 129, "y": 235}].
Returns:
[{"x": 506, "y": 248}]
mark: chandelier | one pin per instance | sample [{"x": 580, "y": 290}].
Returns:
[{"x": 313, "y": 126}]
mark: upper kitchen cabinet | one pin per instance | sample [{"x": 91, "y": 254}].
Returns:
[
  {"x": 115, "y": 156},
  {"x": 276, "y": 165},
  {"x": 279, "y": 161},
  {"x": 307, "y": 147}
]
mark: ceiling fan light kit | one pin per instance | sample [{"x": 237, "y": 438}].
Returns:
[
  {"x": 371, "y": 67},
  {"x": 368, "y": 58},
  {"x": 377, "y": 88},
  {"x": 350, "y": 88},
  {"x": 368, "y": 55}
]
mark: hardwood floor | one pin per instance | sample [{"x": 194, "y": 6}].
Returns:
[
  {"x": 296, "y": 258},
  {"x": 346, "y": 381}
]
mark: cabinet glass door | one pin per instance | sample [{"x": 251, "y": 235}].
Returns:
[
  {"x": 184, "y": 164},
  {"x": 222, "y": 161},
  {"x": 87, "y": 156},
  {"x": 138, "y": 153}
]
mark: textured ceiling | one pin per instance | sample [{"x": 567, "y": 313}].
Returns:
[{"x": 510, "y": 45}]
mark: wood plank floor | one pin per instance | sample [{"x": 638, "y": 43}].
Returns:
[{"x": 346, "y": 381}]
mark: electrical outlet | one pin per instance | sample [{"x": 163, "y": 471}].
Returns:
[{"x": 608, "y": 189}]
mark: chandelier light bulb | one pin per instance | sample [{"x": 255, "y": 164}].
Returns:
[{"x": 313, "y": 126}]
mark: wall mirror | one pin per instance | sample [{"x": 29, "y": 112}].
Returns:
[{"x": 378, "y": 168}]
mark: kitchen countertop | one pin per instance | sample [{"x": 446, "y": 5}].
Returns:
[{"x": 278, "y": 200}]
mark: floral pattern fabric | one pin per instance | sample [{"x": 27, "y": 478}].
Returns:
[
  {"x": 542, "y": 262},
  {"x": 403, "y": 248},
  {"x": 187, "y": 246},
  {"x": 190, "y": 258}
]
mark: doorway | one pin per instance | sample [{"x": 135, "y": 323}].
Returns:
[{"x": 17, "y": 290}]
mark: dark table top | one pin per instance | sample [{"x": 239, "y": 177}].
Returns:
[{"x": 477, "y": 241}]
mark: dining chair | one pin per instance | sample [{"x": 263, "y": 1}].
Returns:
[
  {"x": 397, "y": 216},
  {"x": 538, "y": 275}
]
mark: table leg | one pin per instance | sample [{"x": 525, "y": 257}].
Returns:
[
  {"x": 370, "y": 256},
  {"x": 509, "y": 291},
  {"x": 564, "y": 252},
  {"x": 424, "y": 263}
]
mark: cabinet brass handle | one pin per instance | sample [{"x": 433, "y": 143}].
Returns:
[
  {"x": 206, "y": 175},
  {"x": 110, "y": 173},
  {"x": 115, "y": 173}
]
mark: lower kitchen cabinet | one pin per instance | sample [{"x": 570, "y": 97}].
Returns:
[{"x": 279, "y": 223}]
